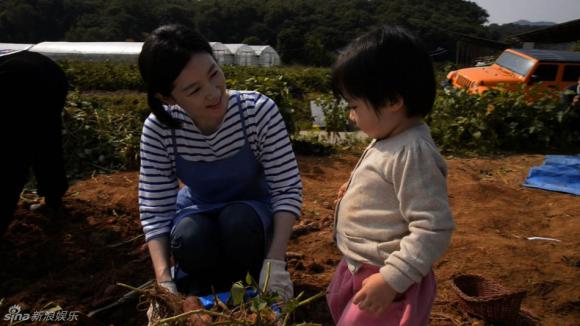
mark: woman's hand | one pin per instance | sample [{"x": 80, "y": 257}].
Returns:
[
  {"x": 159, "y": 252},
  {"x": 283, "y": 223},
  {"x": 375, "y": 295},
  {"x": 169, "y": 286},
  {"x": 279, "y": 280}
]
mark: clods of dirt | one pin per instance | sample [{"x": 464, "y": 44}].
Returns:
[{"x": 76, "y": 260}]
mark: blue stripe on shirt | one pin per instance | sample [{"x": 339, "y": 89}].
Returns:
[{"x": 266, "y": 135}]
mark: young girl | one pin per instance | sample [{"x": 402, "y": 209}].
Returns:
[
  {"x": 393, "y": 220},
  {"x": 230, "y": 149}
]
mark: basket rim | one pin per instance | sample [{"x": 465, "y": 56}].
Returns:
[{"x": 507, "y": 292}]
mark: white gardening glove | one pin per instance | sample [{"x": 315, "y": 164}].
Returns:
[
  {"x": 169, "y": 286},
  {"x": 280, "y": 281},
  {"x": 153, "y": 310}
]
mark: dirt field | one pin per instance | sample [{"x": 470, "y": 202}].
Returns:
[{"x": 76, "y": 261}]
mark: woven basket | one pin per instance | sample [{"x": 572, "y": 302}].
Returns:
[{"x": 487, "y": 299}]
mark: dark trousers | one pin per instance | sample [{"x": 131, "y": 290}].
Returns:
[
  {"x": 33, "y": 91},
  {"x": 217, "y": 250}
]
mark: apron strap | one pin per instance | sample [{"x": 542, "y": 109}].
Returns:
[
  {"x": 174, "y": 143},
  {"x": 239, "y": 104}
]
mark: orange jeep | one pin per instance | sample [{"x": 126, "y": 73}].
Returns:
[{"x": 555, "y": 69}]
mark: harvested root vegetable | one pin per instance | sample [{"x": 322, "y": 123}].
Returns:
[{"x": 192, "y": 303}]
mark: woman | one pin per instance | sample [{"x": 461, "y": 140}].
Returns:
[{"x": 242, "y": 191}]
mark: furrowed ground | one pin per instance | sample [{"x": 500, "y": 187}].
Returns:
[{"x": 77, "y": 260}]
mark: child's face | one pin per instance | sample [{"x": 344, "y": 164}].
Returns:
[
  {"x": 200, "y": 89},
  {"x": 391, "y": 120}
]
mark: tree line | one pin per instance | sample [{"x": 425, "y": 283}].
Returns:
[{"x": 305, "y": 32}]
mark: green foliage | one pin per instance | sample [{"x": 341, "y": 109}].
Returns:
[
  {"x": 303, "y": 32},
  {"x": 102, "y": 76},
  {"x": 289, "y": 87},
  {"x": 515, "y": 120},
  {"x": 300, "y": 80},
  {"x": 276, "y": 88},
  {"x": 102, "y": 132},
  {"x": 248, "y": 305},
  {"x": 102, "y": 129},
  {"x": 263, "y": 308},
  {"x": 335, "y": 113}
]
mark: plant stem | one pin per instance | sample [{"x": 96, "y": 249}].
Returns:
[
  {"x": 131, "y": 288},
  {"x": 267, "y": 280},
  {"x": 312, "y": 298},
  {"x": 202, "y": 311}
]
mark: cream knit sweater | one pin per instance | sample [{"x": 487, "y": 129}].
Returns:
[{"x": 395, "y": 213}]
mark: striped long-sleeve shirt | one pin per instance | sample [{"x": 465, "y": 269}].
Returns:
[{"x": 268, "y": 138}]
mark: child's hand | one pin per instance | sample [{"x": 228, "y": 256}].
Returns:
[
  {"x": 341, "y": 192},
  {"x": 375, "y": 295}
]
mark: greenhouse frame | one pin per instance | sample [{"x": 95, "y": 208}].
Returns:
[
  {"x": 222, "y": 53},
  {"x": 244, "y": 55},
  {"x": 226, "y": 54},
  {"x": 267, "y": 56}
]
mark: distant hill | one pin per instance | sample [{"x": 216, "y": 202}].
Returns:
[
  {"x": 504, "y": 31},
  {"x": 529, "y": 23},
  {"x": 303, "y": 32}
]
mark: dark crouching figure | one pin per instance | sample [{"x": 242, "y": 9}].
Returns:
[{"x": 33, "y": 89}]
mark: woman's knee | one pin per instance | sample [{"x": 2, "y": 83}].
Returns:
[
  {"x": 240, "y": 222},
  {"x": 194, "y": 242},
  {"x": 242, "y": 235}
]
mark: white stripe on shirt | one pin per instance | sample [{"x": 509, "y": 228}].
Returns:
[{"x": 268, "y": 140}]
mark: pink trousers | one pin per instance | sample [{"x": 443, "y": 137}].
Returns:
[{"x": 411, "y": 308}]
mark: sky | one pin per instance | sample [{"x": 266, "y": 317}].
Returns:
[{"x": 508, "y": 11}]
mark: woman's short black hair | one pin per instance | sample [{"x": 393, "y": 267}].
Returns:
[
  {"x": 165, "y": 53},
  {"x": 383, "y": 65}
]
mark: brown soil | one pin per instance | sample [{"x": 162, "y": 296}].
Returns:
[{"x": 75, "y": 261}]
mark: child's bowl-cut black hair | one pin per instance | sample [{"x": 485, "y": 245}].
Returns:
[{"x": 384, "y": 65}]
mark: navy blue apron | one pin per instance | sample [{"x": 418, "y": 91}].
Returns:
[{"x": 210, "y": 186}]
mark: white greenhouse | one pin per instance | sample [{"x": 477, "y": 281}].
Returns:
[
  {"x": 222, "y": 53},
  {"x": 226, "y": 54},
  {"x": 267, "y": 56},
  {"x": 244, "y": 55},
  {"x": 90, "y": 51},
  {"x": 11, "y": 47}
]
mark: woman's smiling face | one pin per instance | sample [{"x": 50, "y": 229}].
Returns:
[{"x": 200, "y": 89}]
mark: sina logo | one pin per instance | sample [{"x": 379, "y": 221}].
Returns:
[{"x": 15, "y": 315}]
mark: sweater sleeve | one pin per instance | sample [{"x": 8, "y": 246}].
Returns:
[
  {"x": 158, "y": 185},
  {"x": 277, "y": 157},
  {"x": 418, "y": 173}
]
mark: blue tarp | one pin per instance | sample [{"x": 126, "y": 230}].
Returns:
[
  {"x": 209, "y": 301},
  {"x": 559, "y": 173}
]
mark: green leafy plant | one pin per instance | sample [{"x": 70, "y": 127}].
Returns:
[
  {"x": 263, "y": 309},
  {"x": 335, "y": 113},
  {"x": 504, "y": 119},
  {"x": 101, "y": 128},
  {"x": 102, "y": 132},
  {"x": 102, "y": 76},
  {"x": 289, "y": 87}
]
